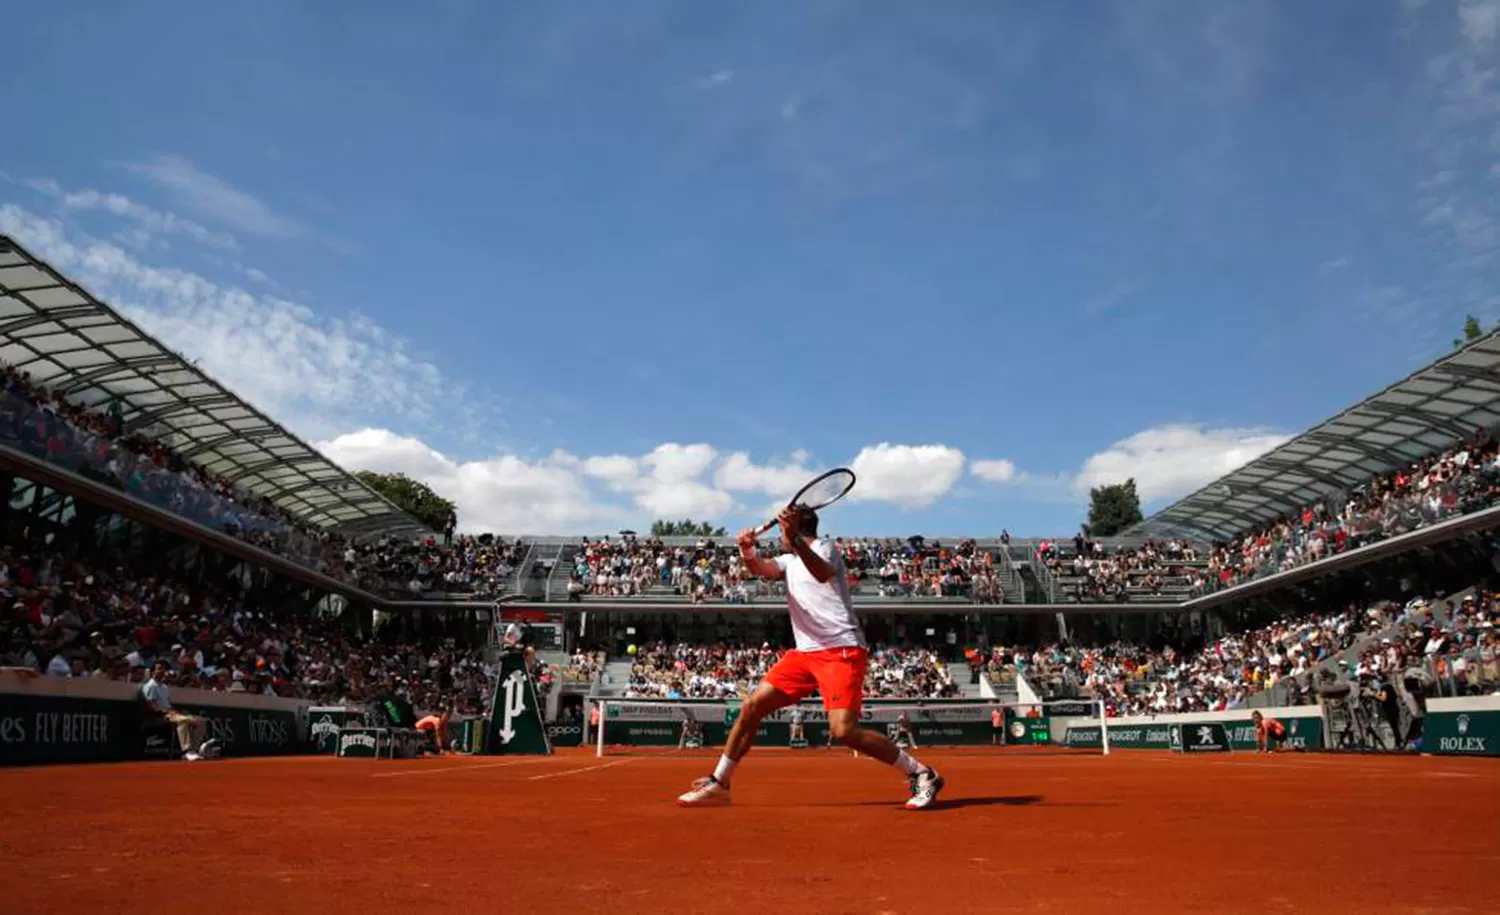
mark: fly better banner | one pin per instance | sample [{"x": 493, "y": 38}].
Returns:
[{"x": 47, "y": 725}]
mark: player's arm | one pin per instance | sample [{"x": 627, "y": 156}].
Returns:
[
  {"x": 820, "y": 568},
  {"x": 754, "y": 563}
]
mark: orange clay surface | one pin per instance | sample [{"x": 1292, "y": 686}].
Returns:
[{"x": 814, "y": 831}]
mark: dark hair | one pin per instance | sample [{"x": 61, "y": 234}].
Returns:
[{"x": 809, "y": 521}]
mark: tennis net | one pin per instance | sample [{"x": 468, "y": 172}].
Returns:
[{"x": 655, "y": 726}]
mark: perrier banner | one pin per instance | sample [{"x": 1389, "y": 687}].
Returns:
[{"x": 516, "y": 726}]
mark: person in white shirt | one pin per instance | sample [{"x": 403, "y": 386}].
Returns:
[
  {"x": 831, "y": 657},
  {"x": 191, "y": 730}
]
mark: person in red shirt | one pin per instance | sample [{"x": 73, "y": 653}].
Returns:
[{"x": 1269, "y": 733}]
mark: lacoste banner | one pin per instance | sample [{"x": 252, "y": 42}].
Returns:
[{"x": 516, "y": 716}]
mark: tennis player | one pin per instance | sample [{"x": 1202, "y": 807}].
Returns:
[
  {"x": 1269, "y": 733},
  {"x": 904, "y": 731},
  {"x": 831, "y": 657}
]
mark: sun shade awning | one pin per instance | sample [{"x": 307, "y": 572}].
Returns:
[
  {"x": 80, "y": 347},
  {"x": 1434, "y": 408}
]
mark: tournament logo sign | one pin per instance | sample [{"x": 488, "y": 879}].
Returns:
[{"x": 325, "y": 732}]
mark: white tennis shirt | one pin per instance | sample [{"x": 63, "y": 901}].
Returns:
[{"x": 822, "y": 615}]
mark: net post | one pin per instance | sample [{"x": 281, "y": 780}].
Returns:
[
  {"x": 1103, "y": 728},
  {"x": 599, "y": 737}
]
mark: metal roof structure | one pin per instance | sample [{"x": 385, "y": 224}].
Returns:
[
  {"x": 1435, "y": 407},
  {"x": 83, "y": 349}
]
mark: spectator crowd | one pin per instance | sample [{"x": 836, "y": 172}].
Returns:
[
  {"x": 712, "y": 571},
  {"x": 70, "y": 618},
  {"x": 96, "y": 444},
  {"x": 1455, "y": 644},
  {"x": 683, "y": 671}
]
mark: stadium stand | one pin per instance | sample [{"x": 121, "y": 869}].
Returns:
[
  {"x": 69, "y": 617},
  {"x": 93, "y": 442},
  {"x": 683, "y": 671},
  {"x": 1454, "y": 482},
  {"x": 1455, "y": 642},
  {"x": 704, "y": 570}
]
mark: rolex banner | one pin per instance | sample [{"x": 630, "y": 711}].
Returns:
[
  {"x": 516, "y": 726},
  {"x": 1469, "y": 733}
]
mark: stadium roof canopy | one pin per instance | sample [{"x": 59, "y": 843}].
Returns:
[
  {"x": 82, "y": 348},
  {"x": 1433, "y": 408}
]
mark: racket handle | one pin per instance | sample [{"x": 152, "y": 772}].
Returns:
[{"x": 765, "y": 527}]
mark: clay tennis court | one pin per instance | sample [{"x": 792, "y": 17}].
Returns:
[{"x": 810, "y": 831}]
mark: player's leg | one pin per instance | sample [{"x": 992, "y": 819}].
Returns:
[
  {"x": 841, "y": 678},
  {"x": 785, "y": 683},
  {"x": 926, "y": 783}
]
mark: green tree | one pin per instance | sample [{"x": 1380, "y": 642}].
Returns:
[
  {"x": 1113, "y": 508},
  {"x": 1472, "y": 332},
  {"x": 411, "y": 496},
  {"x": 687, "y": 527}
]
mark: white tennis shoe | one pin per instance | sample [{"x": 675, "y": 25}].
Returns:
[
  {"x": 925, "y": 786},
  {"x": 707, "y": 792}
]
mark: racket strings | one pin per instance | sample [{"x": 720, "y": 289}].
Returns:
[{"x": 826, "y": 489}]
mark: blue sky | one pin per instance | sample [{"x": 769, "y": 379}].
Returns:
[{"x": 584, "y": 264}]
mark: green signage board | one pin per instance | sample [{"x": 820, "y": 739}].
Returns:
[
  {"x": 47, "y": 728},
  {"x": 1467, "y": 733},
  {"x": 324, "y": 725},
  {"x": 1301, "y": 734},
  {"x": 516, "y": 726}
]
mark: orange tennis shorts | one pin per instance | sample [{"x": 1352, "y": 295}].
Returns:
[{"x": 837, "y": 673}]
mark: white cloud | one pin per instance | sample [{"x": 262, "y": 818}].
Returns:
[
  {"x": 616, "y": 469},
  {"x": 212, "y": 196},
  {"x": 1172, "y": 460},
  {"x": 549, "y": 496},
  {"x": 910, "y": 476},
  {"x": 995, "y": 471},
  {"x": 667, "y": 481},
  {"x": 714, "y": 80},
  {"x": 320, "y": 375},
  {"x": 1480, "y": 20},
  {"x": 504, "y": 494},
  {"x": 674, "y": 463},
  {"x": 684, "y": 499},
  {"x": 43, "y": 186},
  {"x": 151, "y": 221},
  {"x": 739, "y": 474}
]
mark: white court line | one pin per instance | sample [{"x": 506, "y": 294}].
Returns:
[
  {"x": 437, "y": 771},
  {"x": 610, "y": 765}
]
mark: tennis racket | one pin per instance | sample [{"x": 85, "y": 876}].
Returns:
[{"x": 820, "y": 493}]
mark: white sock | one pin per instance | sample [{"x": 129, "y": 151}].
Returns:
[
  {"x": 908, "y": 765},
  {"x": 724, "y": 770}
]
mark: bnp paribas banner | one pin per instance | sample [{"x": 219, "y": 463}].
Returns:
[
  {"x": 642, "y": 723},
  {"x": 637, "y": 710}
]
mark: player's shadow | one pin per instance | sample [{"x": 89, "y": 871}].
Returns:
[{"x": 1013, "y": 800}]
